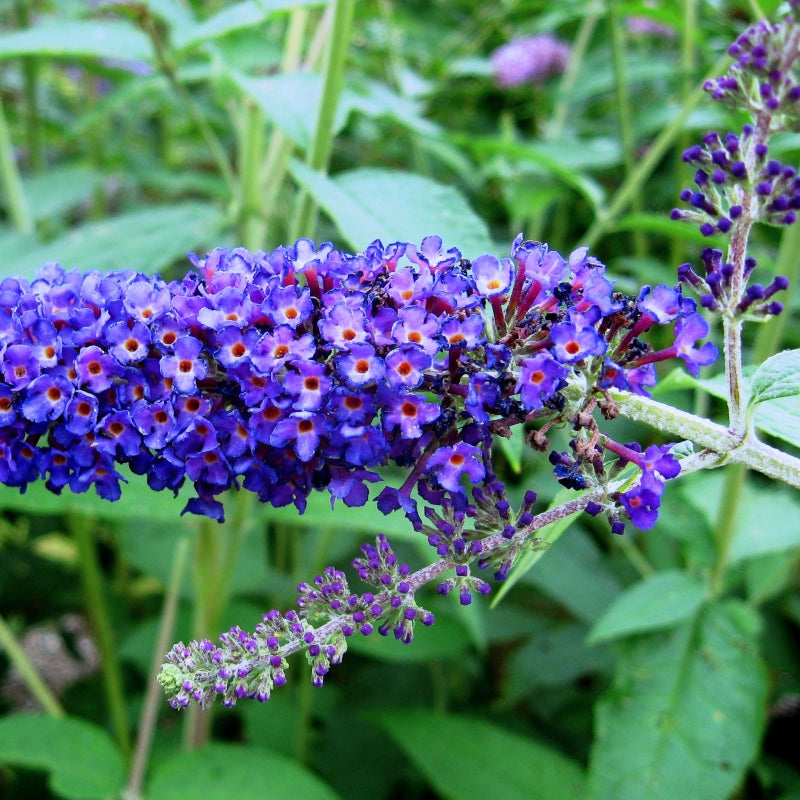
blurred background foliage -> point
(647, 666)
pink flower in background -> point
(644, 26)
(529, 60)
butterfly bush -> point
(446, 355)
(312, 369)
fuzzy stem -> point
(730, 446)
(28, 672)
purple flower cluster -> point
(725, 168)
(642, 501)
(761, 80)
(530, 59)
(306, 369)
(715, 288)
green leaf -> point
(60, 189)
(553, 658)
(685, 713)
(291, 100)
(658, 602)
(447, 639)
(778, 376)
(467, 757)
(761, 520)
(372, 203)
(236, 17)
(146, 240)
(137, 501)
(78, 39)
(576, 575)
(222, 772)
(83, 762)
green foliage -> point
(441, 746)
(685, 713)
(608, 668)
(70, 749)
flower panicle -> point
(307, 368)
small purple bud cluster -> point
(246, 665)
(305, 369)
(249, 666)
(379, 568)
(715, 288)
(530, 59)
(760, 80)
(729, 167)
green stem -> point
(633, 183)
(395, 67)
(11, 181)
(153, 701)
(725, 527)
(30, 71)
(279, 150)
(570, 76)
(716, 438)
(28, 672)
(168, 69)
(98, 612)
(252, 221)
(304, 219)
(687, 69)
(635, 556)
(624, 115)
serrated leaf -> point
(685, 713)
(112, 39)
(68, 748)
(443, 747)
(660, 601)
(146, 240)
(223, 771)
(778, 376)
(368, 204)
